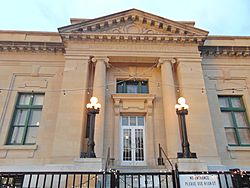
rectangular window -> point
(26, 119)
(235, 120)
(132, 86)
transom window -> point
(133, 140)
(132, 86)
(235, 120)
(26, 119)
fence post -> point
(173, 178)
(175, 175)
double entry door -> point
(133, 140)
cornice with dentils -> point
(19, 46)
(215, 51)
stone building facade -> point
(137, 64)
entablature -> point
(237, 51)
(132, 37)
(19, 46)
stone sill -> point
(238, 148)
(19, 147)
(132, 96)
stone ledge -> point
(46, 168)
(90, 164)
(238, 148)
(188, 164)
(18, 151)
(19, 147)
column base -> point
(191, 164)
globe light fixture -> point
(182, 111)
(93, 109)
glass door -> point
(133, 140)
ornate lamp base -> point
(87, 155)
(191, 155)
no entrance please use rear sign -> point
(199, 181)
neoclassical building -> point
(137, 64)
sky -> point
(219, 17)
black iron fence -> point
(54, 179)
(113, 179)
(161, 180)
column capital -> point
(166, 60)
(100, 58)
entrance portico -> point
(141, 48)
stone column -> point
(99, 91)
(169, 101)
(67, 141)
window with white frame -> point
(26, 119)
(133, 140)
(235, 120)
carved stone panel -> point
(132, 28)
(133, 103)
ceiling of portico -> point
(132, 22)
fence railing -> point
(54, 179)
(114, 178)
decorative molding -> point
(117, 106)
(132, 37)
(103, 59)
(43, 84)
(130, 27)
(166, 60)
(20, 150)
(236, 51)
(127, 22)
(238, 148)
(97, 58)
(16, 46)
(133, 103)
(133, 25)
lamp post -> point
(93, 109)
(181, 111)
